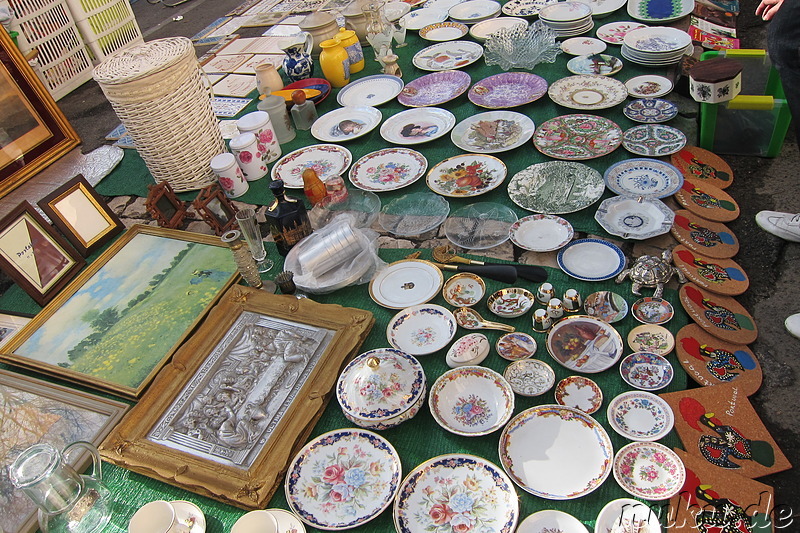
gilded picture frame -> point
(213, 422)
(10, 325)
(81, 215)
(34, 255)
(34, 411)
(124, 316)
(33, 131)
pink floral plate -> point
(468, 175)
(328, 160)
(421, 329)
(471, 401)
(614, 32)
(388, 169)
(507, 89)
(343, 479)
(649, 470)
(454, 493)
(577, 137)
(434, 88)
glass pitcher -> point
(68, 502)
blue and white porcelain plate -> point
(591, 260)
(640, 416)
(653, 140)
(643, 177)
(650, 110)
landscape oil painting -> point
(122, 318)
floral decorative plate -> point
(653, 140)
(328, 160)
(556, 452)
(584, 344)
(656, 41)
(577, 137)
(434, 89)
(471, 401)
(587, 92)
(650, 310)
(614, 32)
(421, 329)
(370, 90)
(343, 479)
(464, 290)
(405, 283)
(640, 416)
(579, 392)
(646, 371)
(287, 521)
(530, 377)
(650, 110)
(591, 260)
(659, 10)
(492, 132)
(551, 520)
(602, 64)
(541, 187)
(515, 346)
(416, 126)
(419, 18)
(579, 46)
(453, 490)
(346, 123)
(648, 86)
(190, 516)
(643, 177)
(507, 89)
(649, 470)
(651, 338)
(541, 233)
(627, 512)
(468, 175)
(447, 55)
(510, 302)
(634, 218)
(606, 305)
(388, 169)
(566, 12)
(443, 31)
(525, 8)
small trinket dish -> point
(471, 401)
(516, 346)
(646, 371)
(579, 392)
(629, 514)
(652, 310)
(651, 338)
(471, 349)
(530, 377)
(511, 302)
(640, 416)
(606, 305)
(464, 290)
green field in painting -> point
(130, 349)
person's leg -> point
(783, 44)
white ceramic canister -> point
(279, 116)
(245, 148)
(229, 175)
(259, 123)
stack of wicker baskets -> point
(159, 93)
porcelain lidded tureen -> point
(381, 388)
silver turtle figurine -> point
(651, 271)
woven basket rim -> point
(143, 60)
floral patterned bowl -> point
(649, 470)
(471, 401)
(381, 388)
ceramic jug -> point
(335, 62)
(68, 502)
(298, 64)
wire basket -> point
(159, 93)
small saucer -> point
(511, 302)
(516, 346)
(530, 377)
(579, 392)
(189, 515)
(464, 290)
(646, 371)
(651, 338)
(287, 521)
(652, 310)
(606, 305)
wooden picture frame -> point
(216, 209)
(81, 215)
(176, 434)
(37, 258)
(10, 325)
(124, 316)
(37, 131)
(165, 206)
(33, 411)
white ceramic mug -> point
(245, 148)
(256, 522)
(259, 123)
(229, 175)
(156, 517)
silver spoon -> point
(468, 318)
